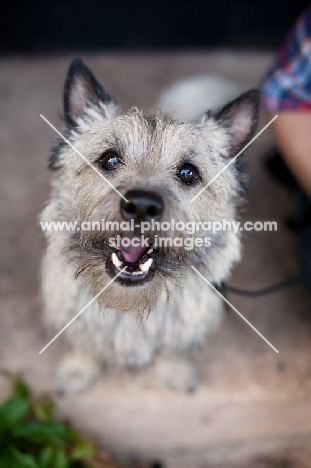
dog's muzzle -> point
(138, 258)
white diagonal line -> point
(233, 159)
(82, 310)
(83, 157)
(235, 310)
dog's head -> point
(131, 173)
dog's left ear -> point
(84, 94)
(239, 118)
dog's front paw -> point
(177, 373)
(76, 372)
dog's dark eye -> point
(109, 161)
(187, 174)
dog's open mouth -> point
(138, 260)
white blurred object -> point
(189, 99)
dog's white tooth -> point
(116, 261)
(145, 266)
(134, 273)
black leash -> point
(224, 288)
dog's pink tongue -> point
(131, 254)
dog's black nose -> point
(141, 206)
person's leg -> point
(292, 131)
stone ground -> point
(253, 409)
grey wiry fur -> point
(163, 318)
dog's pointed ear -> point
(239, 118)
(82, 93)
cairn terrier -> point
(157, 308)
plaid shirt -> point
(287, 86)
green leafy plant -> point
(30, 437)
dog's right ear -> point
(83, 94)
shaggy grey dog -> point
(157, 308)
